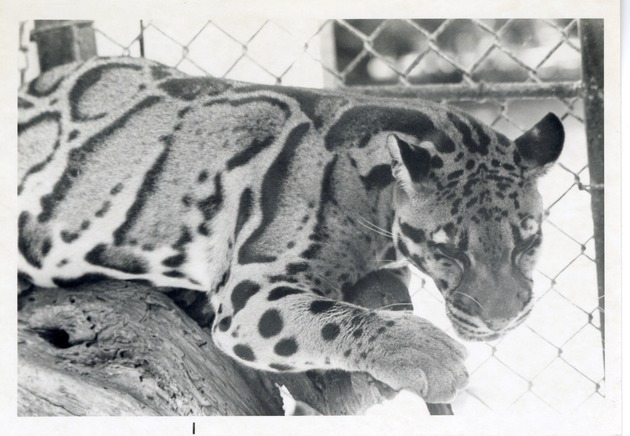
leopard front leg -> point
(279, 327)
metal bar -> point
(141, 39)
(592, 42)
(480, 91)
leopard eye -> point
(524, 253)
(447, 250)
(453, 253)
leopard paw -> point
(415, 355)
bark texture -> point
(117, 348)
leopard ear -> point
(541, 145)
(410, 165)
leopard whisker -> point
(367, 223)
(394, 305)
(399, 263)
(472, 298)
(375, 231)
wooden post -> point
(63, 41)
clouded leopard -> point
(276, 202)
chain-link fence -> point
(507, 73)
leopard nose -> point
(498, 324)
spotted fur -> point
(278, 203)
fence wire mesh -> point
(507, 73)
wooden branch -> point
(123, 349)
(118, 348)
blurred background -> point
(507, 73)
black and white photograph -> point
(408, 219)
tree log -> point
(123, 349)
(118, 348)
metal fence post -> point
(592, 42)
(63, 41)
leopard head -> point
(471, 218)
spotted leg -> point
(388, 288)
(276, 327)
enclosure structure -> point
(507, 73)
